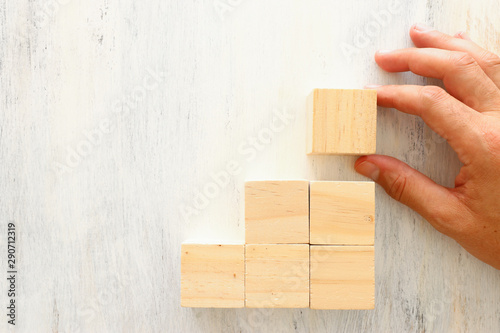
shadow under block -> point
(342, 277)
(277, 276)
(213, 276)
(342, 121)
(277, 212)
(342, 213)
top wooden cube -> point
(342, 121)
(277, 212)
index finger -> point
(448, 117)
(461, 75)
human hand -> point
(467, 115)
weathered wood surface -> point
(115, 114)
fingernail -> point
(369, 170)
(422, 27)
(372, 86)
(384, 51)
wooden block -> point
(342, 213)
(342, 121)
(277, 212)
(212, 275)
(342, 277)
(277, 276)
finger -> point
(452, 120)
(433, 202)
(461, 75)
(423, 36)
(462, 35)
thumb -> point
(409, 187)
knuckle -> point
(451, 220)
(443, 222)
(457, 224)
(489, 59)
(458, 228)
(397, 189)
(432, 94)
(461, 60)
(492, 137)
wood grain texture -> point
(342, 121)
(213, 275)
(277, 212)
(100, 245)
(277, 275)
(342, 277)
(342, 213)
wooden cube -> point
(342, 121)
(213, 275)
(277, 212)
(277, 276)
(342, 213)
(342, 277)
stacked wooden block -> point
(342, 245)
(307, 244)
(277, 244)
(342, 121)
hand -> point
(467, 115)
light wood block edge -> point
(330, 224)
(366, 148)
(284, 282)
(265, 224)
(355, 268)
(213, 275)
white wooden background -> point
(116, 114)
